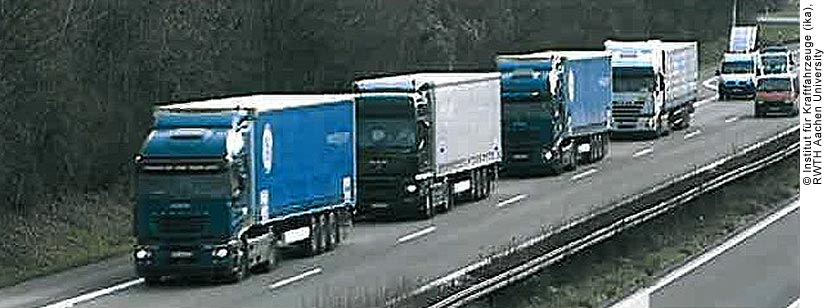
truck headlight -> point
(760, 102)
(548, 155)
(143, 254)
(220, 252)
(411, 188)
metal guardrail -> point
(593, 228)
(778, 20)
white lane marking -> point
(511, 200)
(533, 241)
(716, 251)
(416, 234)
(794, 304)
(643, 152)
(584, 174)
(692, 134)
(708, 82)
(732, 119)
(90, 296)
(290, 280)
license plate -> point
(379, 205)
(181, 254)
(520, 156)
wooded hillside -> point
(78, 77)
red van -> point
(776, 93)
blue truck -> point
(556, 109)
(222, 184)
(655, 86)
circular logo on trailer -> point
(266, 148)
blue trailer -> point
(223, 183)
(556, 109)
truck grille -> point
(182, 225)
(627, 111)
(378, 187)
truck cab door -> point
(424, 132)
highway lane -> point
(762, 271)
(375, 257)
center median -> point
(556, 242)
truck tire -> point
(572, 159)
(268, 264)
(311, 245)
(485, 183)
(344, 221)
(324, 241)
(243, 269)
(597, 147)
(428, 210)
(332, 235)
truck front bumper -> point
(741, 92)
(196, 261)
(639, 127)
(529, 160)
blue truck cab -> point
(556, 109)
(222, 184)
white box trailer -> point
(742, 39)
(458, 138)
(655, 84)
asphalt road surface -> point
(383, 255)
(760, 272)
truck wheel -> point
(324, 242)
(597, 147)
(312, 244)
(344, 221)
(449, 198)
(572, 159)
(332, 236)
(243, 269)
(489, 178)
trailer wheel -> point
(344, 221)
(572, 159)
(483, 185)
(333, 235)
(311, 245)
(324, 234)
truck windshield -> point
(738, 67)
(397, 133)
(386, 123)
(628, 79)
(525, 116)
(774, 63)
(184, 186)
(774, 59)
(774, 84)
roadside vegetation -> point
(635, 258)
(79, 79)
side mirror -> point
(717, 72)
